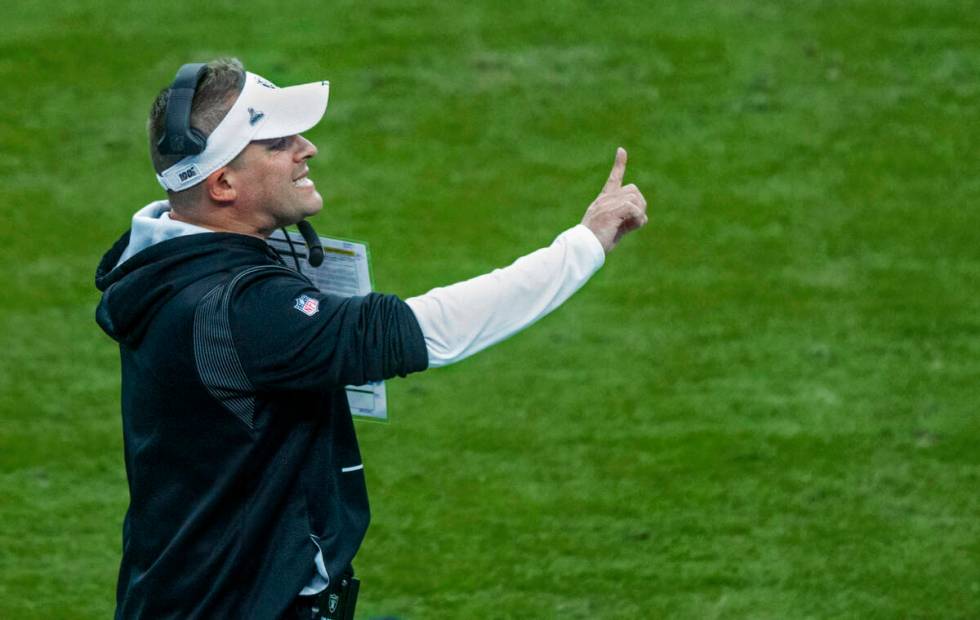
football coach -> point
(247, 494)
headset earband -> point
(179, 138)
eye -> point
(275, 144)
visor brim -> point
(292, 110)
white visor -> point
(261, 111)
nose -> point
(306, 148)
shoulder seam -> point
(251, 270)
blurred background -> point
(763, 406)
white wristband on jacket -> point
(467, 317)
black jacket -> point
(236, 424)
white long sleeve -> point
(465, 318)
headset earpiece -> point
(179, 138)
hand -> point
(617, 210)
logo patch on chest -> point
(307, 305)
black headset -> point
(179, 138)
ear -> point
(220, 186)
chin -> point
(312, 211)
(316, 205)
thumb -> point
(618, 170)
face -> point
(272, 182)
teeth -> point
(304, 182)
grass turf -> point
(763, 406)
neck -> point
(218, 224)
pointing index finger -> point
(618, 170)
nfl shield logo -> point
(332, 603)
(307, 305)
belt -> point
(335, 603)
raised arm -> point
(467, 317)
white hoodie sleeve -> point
(465, 318)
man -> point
(247, 494)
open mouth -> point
(303, 180)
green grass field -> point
(763, 406)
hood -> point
(137, 281)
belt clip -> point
(339, 603)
